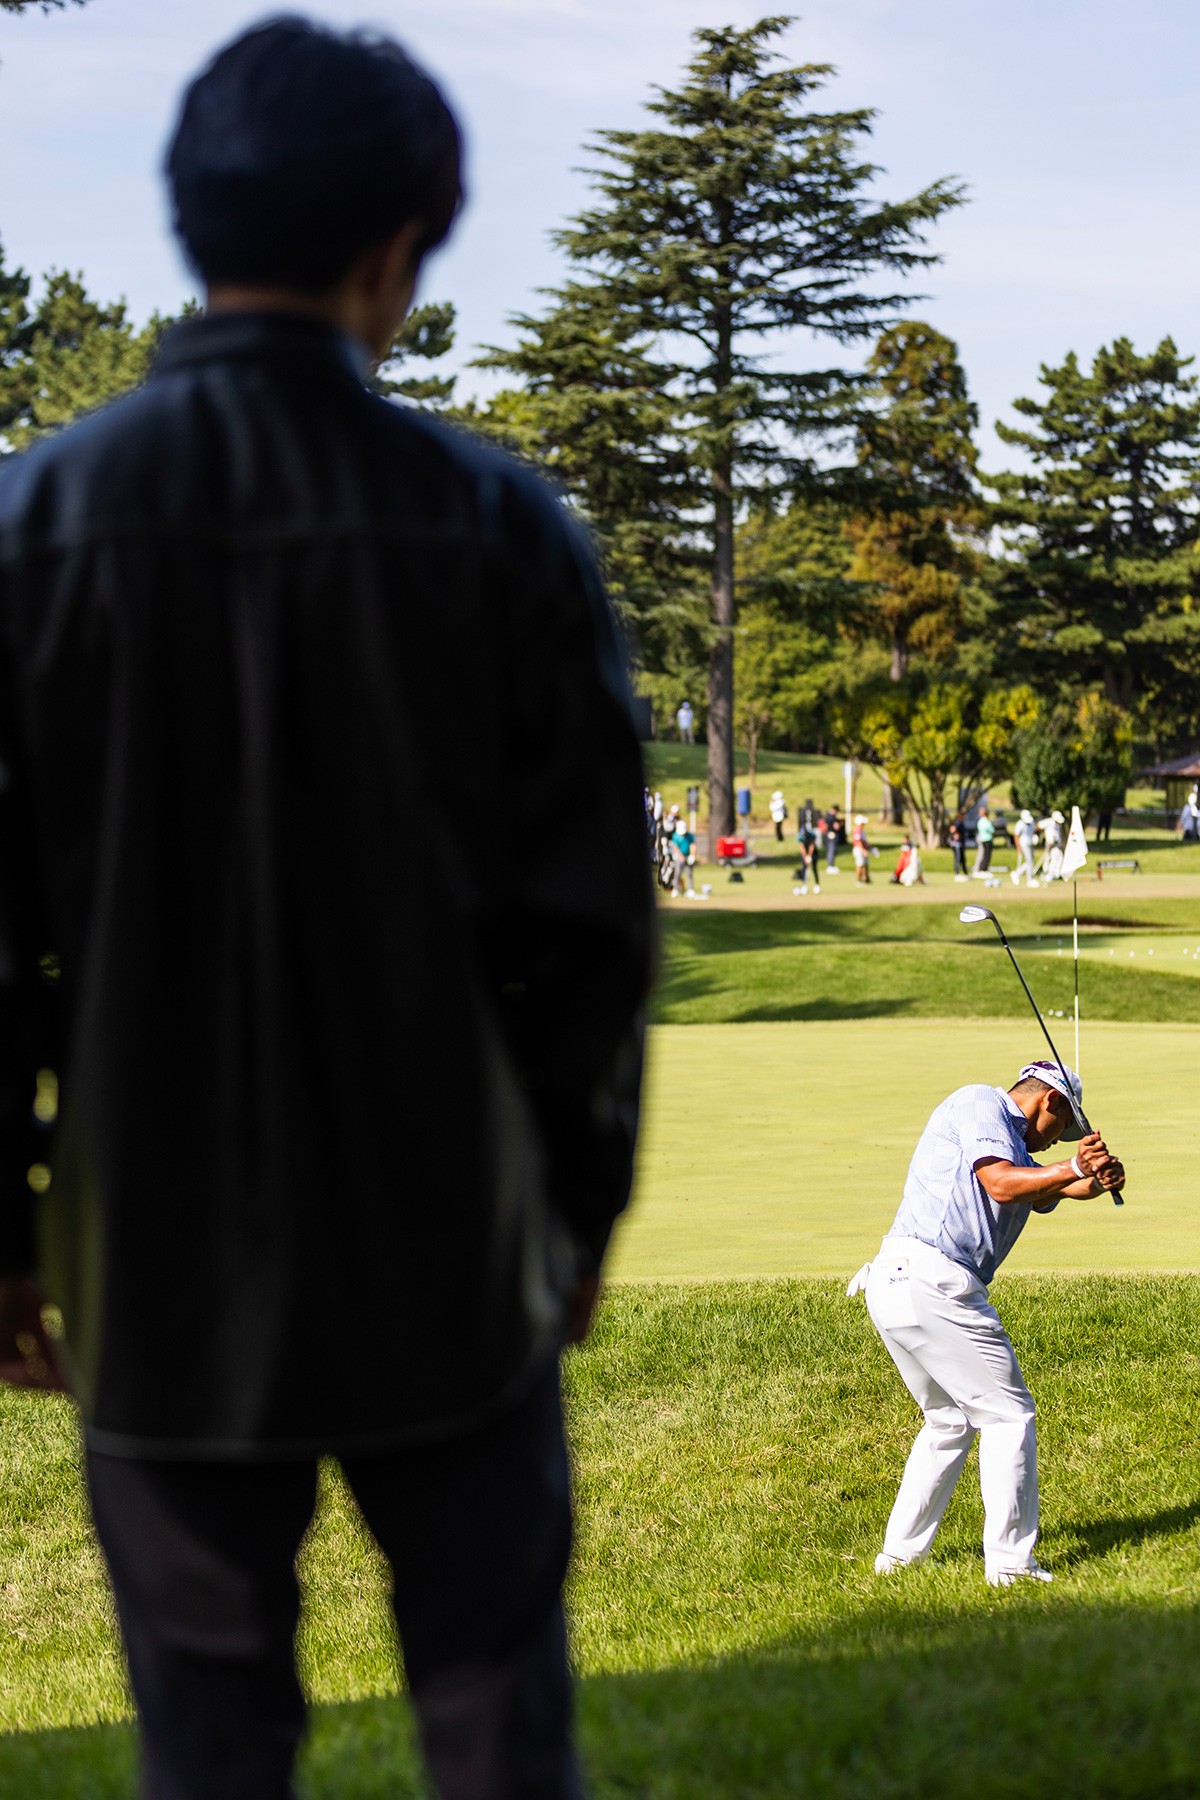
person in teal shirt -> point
(683, 845)
(985, 833)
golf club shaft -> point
(1037, 1013)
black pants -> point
(478, 1533)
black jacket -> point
(323, 886)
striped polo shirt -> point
(944, 1204)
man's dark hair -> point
(299, 147)
(1032, 1085)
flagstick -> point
(1075, 926)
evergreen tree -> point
(427, 334)
(65, 355)
(744, 213)
(917, 545)
(593, 414)
(1103, 532)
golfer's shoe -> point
(887, 1564)
(1004, 1578)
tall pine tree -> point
(917, 545)
(1103, 529)
(743, 212)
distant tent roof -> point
(1180, 766)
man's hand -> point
(1096, 1161)
(580, 1307)
(1092, 1153)
(28, 1354)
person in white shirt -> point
(685, 718)
(971, 1187)
(1026, 836)
(1052, 837)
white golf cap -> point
(1058, 818)
(1026, 816)
(1052, 1075)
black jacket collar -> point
(218, 337)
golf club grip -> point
(1085, 1125)
(1080, 1117)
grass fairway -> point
(781, 1149)
(737, 1451)
(913, 959)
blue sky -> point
(1074, 124)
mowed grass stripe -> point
(737, 1448)
(917, 962)
(781, 1149)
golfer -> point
(971, 1186)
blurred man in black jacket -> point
(347, 1111)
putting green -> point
(780, 1149)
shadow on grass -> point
(823, 1007)
(1082, 1543)
(1028, 1698)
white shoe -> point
(887, 1564)
(1006, 1578)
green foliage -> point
(1078, 753)
(592, 413)
(951, 736)
(744, 211)
(16, 6)
(426, 334)
(64, 355)
(1100, 591)
(918, 544)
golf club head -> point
(975, 915)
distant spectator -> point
(779, 813)
(1189, 819)
(821, 828)
(958, 845)
(810, 868)
(860, 845)
(1026, 838)
(985, 833)
(835, 835)
(908, 865)
(1104, 822)
(685, 718)
(1051, 829)
(683, 853)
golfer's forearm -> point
(1008, 1185)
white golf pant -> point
(955, 1358)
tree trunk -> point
(721, 817)
(752, 737)
(891, 804)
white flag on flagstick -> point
(1075, 854)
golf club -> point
(975, 915)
